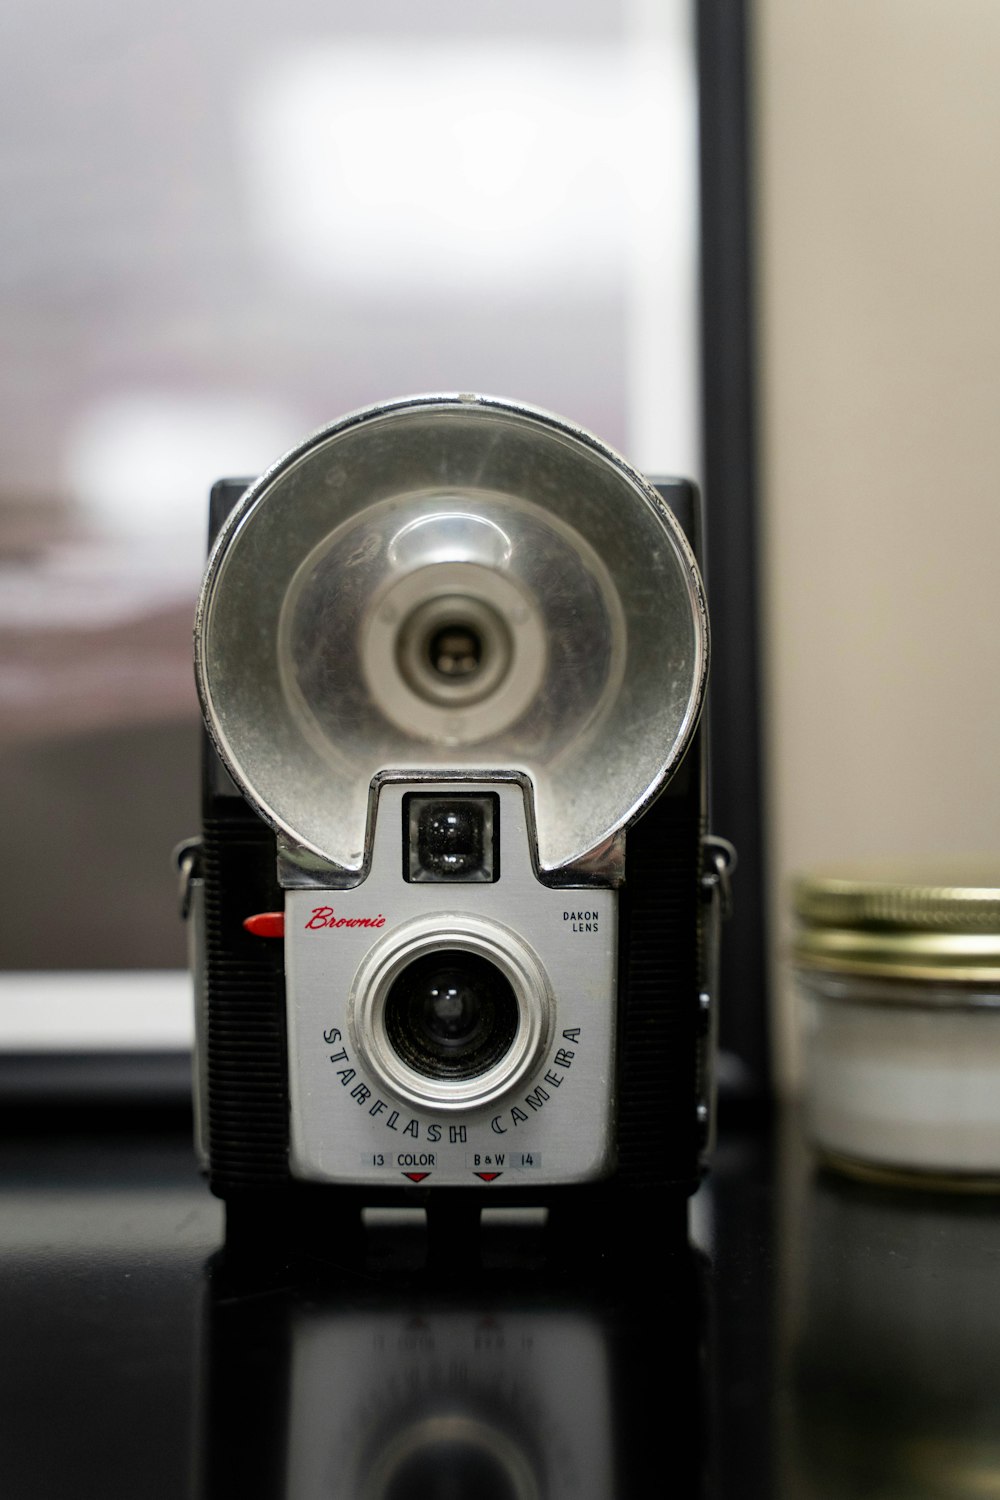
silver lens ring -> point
(440, 933)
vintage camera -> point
(454, 908)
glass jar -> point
(899, 974)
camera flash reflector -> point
(453, 584)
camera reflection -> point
(525, 1377)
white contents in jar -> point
(902, 1084)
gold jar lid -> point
(938, 921)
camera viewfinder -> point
(451, 838)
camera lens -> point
(450, 1009)
(451, 1014)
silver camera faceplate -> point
(544, 1114)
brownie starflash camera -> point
(454, 911)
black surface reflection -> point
(852, 1346)
(103, 1237)
(894, 1349)
(512, 1373)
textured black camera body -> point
(495, 986)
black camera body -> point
(454, 911)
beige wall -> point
(878, 146)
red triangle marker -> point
(489, 1176)
(416, 1176)
(270, 924)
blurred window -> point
(229, 225)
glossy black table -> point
(813, 1337)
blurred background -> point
(230, 224)
(878, 243)
(233, 224)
